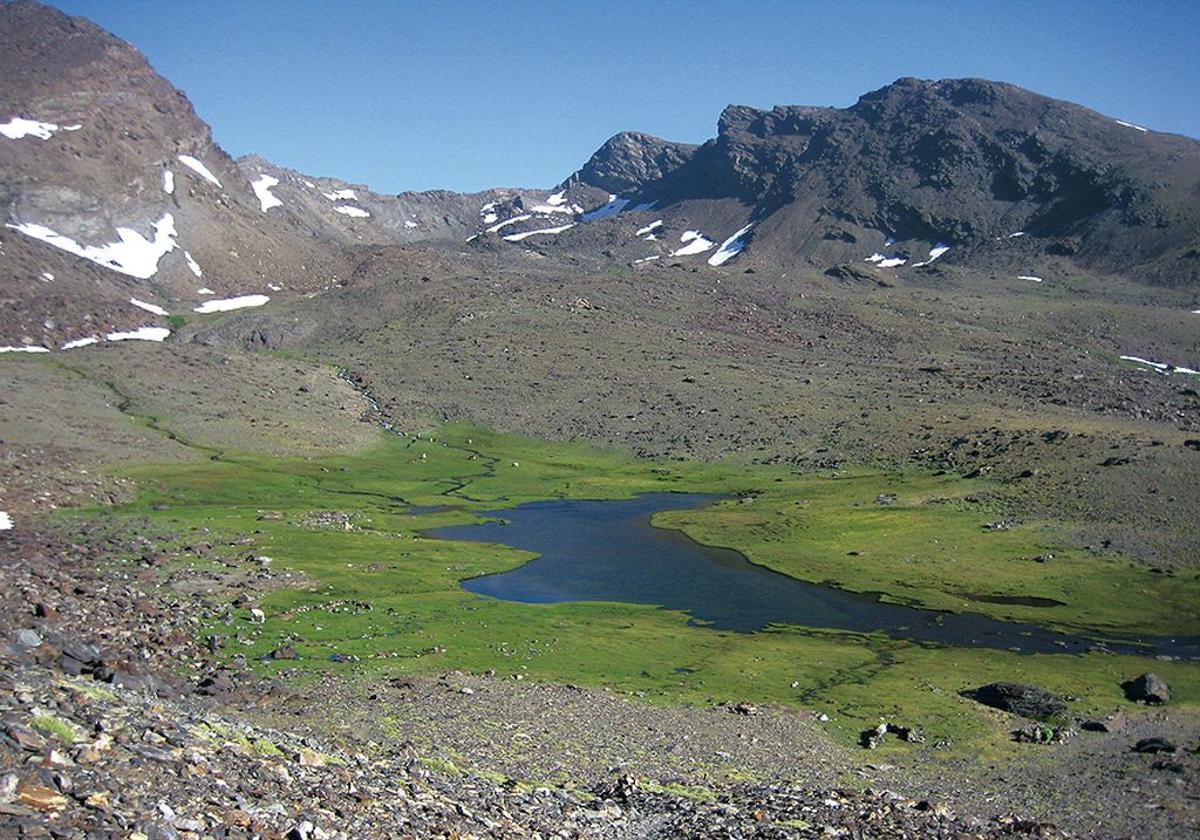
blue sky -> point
(469, 95)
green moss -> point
(698, 794)
(54, 727)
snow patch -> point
(141, 334)
(1031, 278)
(410, 225)
(19, 127)
(730, 248)
(522, 218)
(341, 195)
(649, 228)
(351, 211)
(1131, 125)
(646, 259)
(133, 254)
(490, 218)
(229, 304)
(934, 252)
(168, 182)
(275, 287)
(1161, 367)
(557, 198)
(149, 307)
(5, 521)
(199, 168)
(517, 237)
(696, 244)
(885, 262)
(204, 290)
(80, 342)
(262, 189)
(47, 276)
(25, 348)
(547, 209)
(615, 205)
(192, 264)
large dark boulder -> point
(1020, 699)
(1148, 688)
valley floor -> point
(219, 585)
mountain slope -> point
(960, 162)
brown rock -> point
(41, 798)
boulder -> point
(1020, 699)
(1148, 688)
(1154, 745)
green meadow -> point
(367, 585)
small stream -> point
(608, 551)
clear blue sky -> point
(468, 95)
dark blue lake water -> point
(608, 551)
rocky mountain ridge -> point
(104, 159)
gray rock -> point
(28, 638)
(1148, 688)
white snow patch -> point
(615, 205)
(47, 276)
(1131, 125)
(646, 259)
(204, 290)
(262, 189)
(487, 208)
(1162, 367)
(696, 244)
(199, 168)
(1015, 234)
(490, 218)
(228, 304)
(648, 228)
(730, 248)
(352, 212)
(310, 185)
(523, 218)
(557, 198)
(75, 127)
(889, 242)
(1031, 278)
(19, 127)
(80, 342)
(168, 181)
(517, 237)
(5, 521)
(133, 254)
(192, 264)
(24, 348)
(934, 252)
(547, 209)
(275, 287)
(141, 334)
(149, 307)
(409, 224)
(885, 262)
(341, 195)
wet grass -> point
(389, 599)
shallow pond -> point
(608, 551)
